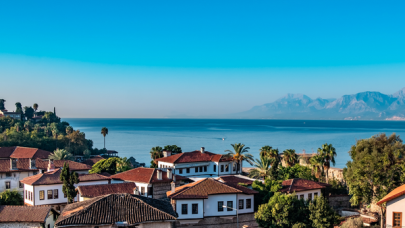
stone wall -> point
(340, 201)
(160, 189)
(218, 222)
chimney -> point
(202, 150)
(169, 174)
(173, 184)
(167, 153)
(51, 166)
(136, 191)
(159, 174)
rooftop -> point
(298, 185)
(53, 177)
(73, 166)
(393, 194)
(9, 214)
(144, 175)
(23, 152)
(105, 189)
(235, 179)
(93, 160)
(195, 156)
(114, 208)
(209, 186)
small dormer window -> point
(33, 163)
(13, 163)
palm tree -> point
(328, 153)
(61, 154)
(240, 154)
(290, 157)
(18, 126)
(265, 150)
(316, 164)
(2, 101)
(104, 132)
(35, 106)
(262, 168)
(156, 152)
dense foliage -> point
(111, 165)
(11, 197)
(69, 180)
(376, 168)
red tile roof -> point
(5, 152)
(93, 160)
(23, 164)
(208, 186)
(195, 156)
(105, 189)
(53, 177)
(73, 166)
(11, 214)
(144, 175)
(26, 152)
(298, 185)
(393, 194)
(234, 179)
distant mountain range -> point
(360, 106)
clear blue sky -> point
(162, 58)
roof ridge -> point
(148, 204)
(226, 185)
(181, 154)
(289, 189)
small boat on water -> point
(223, 138)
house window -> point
(302, 196)
(194, 208)
(8, 184)
(188, 170)
(20, 185)
(309, 196)
(234, 167)
(315, 195)
(220, 205)
(34, 173)
(215, 168)
(184, 209)
(248, 203)
(200, 169)
(50, 194)
(397, 219)
(222, 168)
(229, 205)
(8, 174)
(49, 225)
(32, 198)
(55, 194)
(227, 168)
(142, 190)
(196, 169)
(205, 168)
(180, 171)
(241, 204)
(26, 194)
(150, 191)
(42, 195)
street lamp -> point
(237, 214)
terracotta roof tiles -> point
(53, 177)
(26, 152)
(144, 175)
(93, 160)
(105, 189)
(298, 185)
(11, 214)
(234, 179)
(114, 208)
(195, 156)
(393, 194)
(5, 152)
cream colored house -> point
(395, 211)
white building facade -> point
(395, 207)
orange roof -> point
(26, 152)
(393, 194)
(208, 186)
(144, 175)
(53, 177)
(298, 185)
(195, 156)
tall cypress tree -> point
(69, 180)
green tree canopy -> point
(111, 165)
(262, 168)
(296, 171)
(328, 153)
(375, 169)
(173, 148)
(2, 101)
(69, 180)
(290, 157)
(321, 214)
(28, 112)
(240, 154)
(11, 197)
(104, 132)
(35, 106)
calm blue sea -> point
(135, 137)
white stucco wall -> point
(21, 225)
(395, 205)
(189, 203)
(50, 220)
(138, 185)
(165, 164)
(61, 198)
(29, 188)
(156, 225)
(211, 205)
(230, 170)
(244, 198)
(306, 193)
(14, 180)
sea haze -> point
(135, 137)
